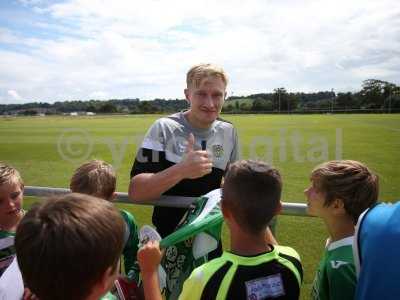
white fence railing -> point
(294, 209)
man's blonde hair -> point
(198, 72)
(9, 175)
(347, 180)
(95, 178)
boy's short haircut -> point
(95, 178)
(198, 72)
(9, 175)
(350, 181)
(252, 192)
(65, 245)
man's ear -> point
(187, 94)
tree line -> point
(375, 95)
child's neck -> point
(8, 227)
(246, 244)
(340, 228)
(11, 227)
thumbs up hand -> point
(196, 163)
(190, 143)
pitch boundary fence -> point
(289, 208)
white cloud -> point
(30, 2)
(14, 95)
(98, 95)
(143, 49)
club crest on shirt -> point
(218, 151)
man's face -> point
(205, 101)
(10, 203)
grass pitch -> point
(46, 150)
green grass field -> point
(46, 151)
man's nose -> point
(10, 203)
(209, 102)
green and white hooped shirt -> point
(7, 249)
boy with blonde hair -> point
(98, 178)
(11, 212)
(340, 191)
(69, 247)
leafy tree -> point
(280, 99)
(227, 108)
(260, 104)
(108, 108)
(345, 100)
(374, 92)
(245, 106)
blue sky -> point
(96, 49)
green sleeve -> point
(342, 282)
(131, 247)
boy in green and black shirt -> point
(11, 212)
(340, 191)
(254, 267)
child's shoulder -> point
(286, 250)
(202, 273)
(127, 216)
(341, 248)
(6, 234)
(339, 256)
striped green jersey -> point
(7, 249)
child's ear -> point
(225, 211)
(107, 280)
(113, 196)
(278, 208)
(338, 206)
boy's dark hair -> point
(252, 192)
(95, 178)
(65, 245)
(347, 180)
